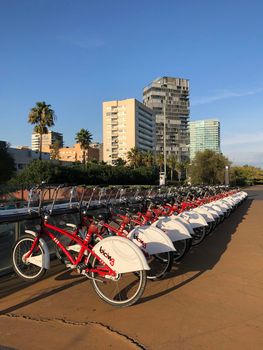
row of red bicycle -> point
(123, 236)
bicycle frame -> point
(84, 250)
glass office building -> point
(204, 134)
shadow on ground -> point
(204, 256)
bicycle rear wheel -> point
(124, 290)
(209, 228)
(182, 247)
(160, 265)
(28, 270)
(199, 235)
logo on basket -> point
(107, 255)
(136, 236)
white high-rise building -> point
(168, 97)
(48, 140)
(126, 124)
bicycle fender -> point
(236, 199)
(174, 229)
(217, 208)
(46, 257)
(243, 194)
(221, 205)
(195, 219)
(214, 207)
(205, 213)
(213, 212)
(120, 254)
(150, 239)
(183, 222)
(230, 201)
(226, 204)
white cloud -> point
(243, 139)
(224, 94)
(244, 148)
(251, 158)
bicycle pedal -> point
(71, 266)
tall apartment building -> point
(48, 140)
(126, 124)
(169, 99)
(204, 134)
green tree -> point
(159, 160)
(84, 138)
(181, 168)
(148, 159)
(172, 164)
(36, 172)
(247, 174)
(185, 167)
(43, 117)
(134, 157)
(7, 163)
(92, 174)
(102, 162)
(208, 167)
(119, 162)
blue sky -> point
(74, 54)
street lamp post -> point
(226, 175)
(164, 140)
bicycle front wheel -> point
(124, 290)
(31, 269)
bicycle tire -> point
(118, 292)
(160, 265)
(210, 228)
(162, 262)
(182, 248)
(199, 235)
(27, 271)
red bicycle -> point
(115, 265)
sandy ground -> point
(212, 300)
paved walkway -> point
(213, 300)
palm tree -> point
(134, 157)
(186, 165)
(172, 164)
(119, 162)
(159, 160)
(180, 167)
(84, 138)
(43, 117)
(147, 158)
